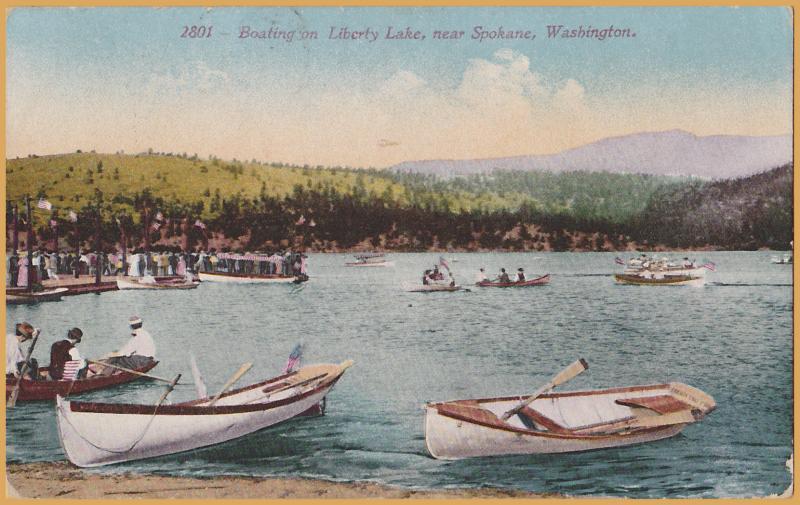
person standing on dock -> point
(67, 350)
(13, 268)
(15, 358)
(22, 272)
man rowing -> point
(136, 353)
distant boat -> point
(562, 422)
(240, 278)
(370, 260)
(785, 260)
(149, 282)
(539, 281)
(664, 280)
(22, 297)
(432, 288)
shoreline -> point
(62, 480)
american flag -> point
(301, 220)
(200, 224)
(443, 262)
(711, 266)
(73, 217)
(44, 204)
(618, 261)
(294, 358)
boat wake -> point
(744, 285)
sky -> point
(113, 79)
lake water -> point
(731, 338)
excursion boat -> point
(370, 260)
(95, 434)
(45, 389)
(148, 282)
(539, 281)
(22, 297)
(562, 422)
(240, 278)
(660, 280)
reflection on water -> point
(731, 338)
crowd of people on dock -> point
(138, 263)
(66, 358)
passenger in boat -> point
(437, 275)
(137, 352)
(66, 350)
(452, 279)
(426, 278)
(503, 276)
(15, 358)
(520, 276)
(480, 276)
(687, 263)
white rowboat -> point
(133, 283)
(562, 422)
(235, 278)
(96, 434)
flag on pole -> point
(44, 204)
(710, 265)
(73, 217)
(443, 262)
(200, 224)
(301, 220)
(294, 358)
(618, 261)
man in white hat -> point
(138, 351)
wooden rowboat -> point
(21, 297)
(95, 434)
(432, 288)
(48, 389)
(539, 281)
(666, 280)
(239, 278)
(562, 422)
(134, 283)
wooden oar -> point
(134, 372)
(562, 377)
(235, 377)
(169, 390)
(15, 393)
(680, 417)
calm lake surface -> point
(731, 338)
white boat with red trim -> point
(149, 282)
(243, 278)
(95, 434)
(562, 422)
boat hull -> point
(564, 422)
(130, 284)
(95, 434)
(668, 280)
(368, 264)
(246, 278)
(539, 281)
(44, 390)
(24, 298)
(433, 289)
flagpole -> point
(15, 236)
(30, 248)
(54, 219)
(98, 262)
(124, 240)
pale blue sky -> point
(123, 78)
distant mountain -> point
(673, 152)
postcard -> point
(396, 252)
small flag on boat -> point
(618, 261)
(44, 204)
(200, 224)
(73, 217)
(294, 358)
(711, 266)
(443, 262)
(301, 220)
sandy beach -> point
(62, 480)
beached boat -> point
(155, 283)
(562, 422)
(539, 281)
(660, 280)
(240, 278)
(21, 297)
(370, 260)
(48, 389)
(95, 434)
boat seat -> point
(471, 413)
(542, 420)
(662, 404)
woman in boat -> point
(15, 358)
(520, 276)
(426, 277)
(503, 276)
(66, 350)
(480, 276)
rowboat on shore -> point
(22, 297)
(562, 422)
(47, 389)
(663, 280)
(95, 434)
(539, 281)
(241, 278)
(370, 260)
(155, 283)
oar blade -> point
(680, 417)
(570, 372)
